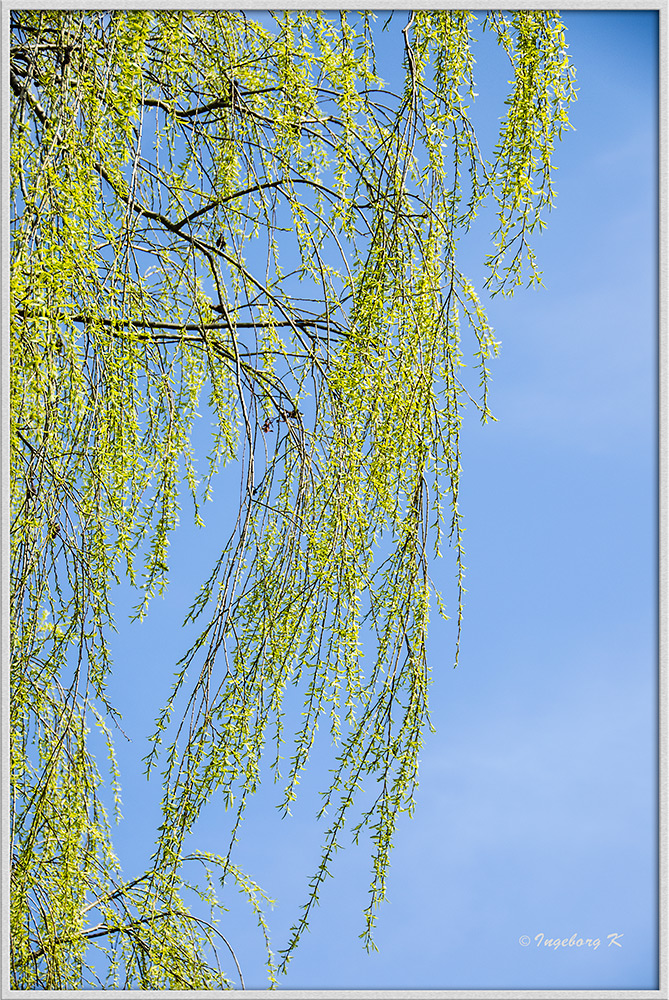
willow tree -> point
(229, 214)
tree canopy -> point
(227, 213)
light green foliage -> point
(218, 214)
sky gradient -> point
(537, 807)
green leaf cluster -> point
(226, 215)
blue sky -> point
(537, 806)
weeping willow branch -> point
(214, 215)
